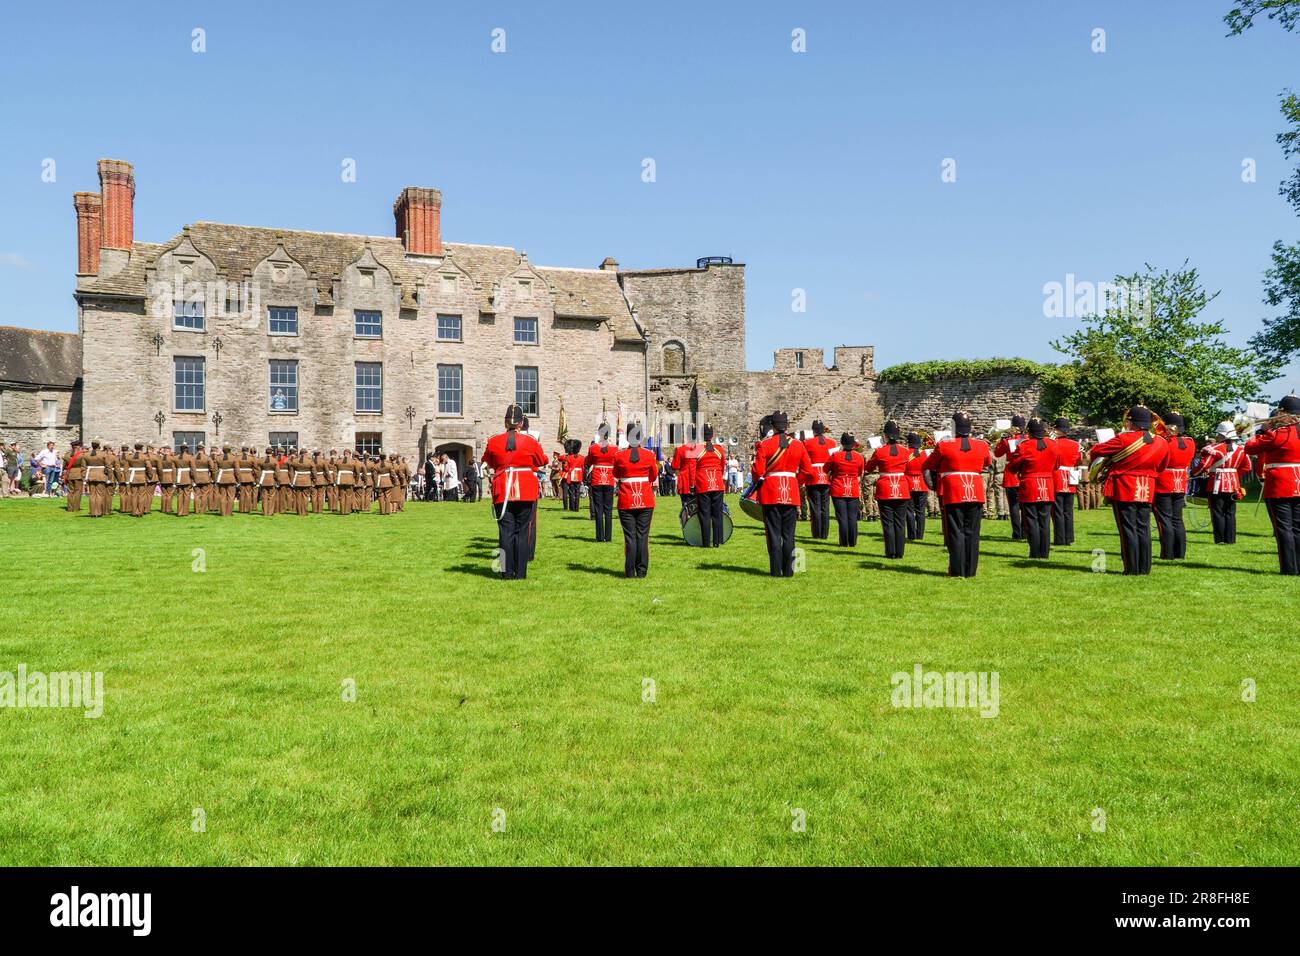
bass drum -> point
(750, 505)
(691, 526)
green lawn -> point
(223, 691)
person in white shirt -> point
(48, 463)
(450, 479)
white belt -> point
(264, 474)
(1225, 471)
(1069, 467)
(1282, 464)
(516, 469)
(222, 471)
(945, 474)
(182, 471)
(202, 471)
(818, 464)
(781, 474)
(594, 467)
(1177, 471)
(639, 479)
(131, 473)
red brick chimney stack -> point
(117, 186)
(90, 225)
(418, 215)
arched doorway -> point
(459, 452)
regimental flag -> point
(562, 431)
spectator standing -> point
(46, 466)
(450, 479)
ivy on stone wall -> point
(916, 372)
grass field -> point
(224, 691)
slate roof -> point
(33, 357)
(592, 294)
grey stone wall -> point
(703, 309)
(22, 417)
(931, 404)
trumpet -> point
(1281, 420)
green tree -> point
(1099, 387)
(1242, 17)
(1152, 346)
(1279, 341)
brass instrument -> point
(1277, 421)
(1100, 467)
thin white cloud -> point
(14, 261)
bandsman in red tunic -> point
(1010, 481)
(599, 469)
(1134, 459)
(710, 484)
(956, 472)
(1278, 449)
(636, 470)
(683, 463)
(572, 474)
(893, 488)
(1171, 490)
(916, 487)
(1034, 463)
(845, 469)
(779, 461)
(1225, 464)
(514, 458)
(1069, 455)
(818, 487)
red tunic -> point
(573, 469)
(636, 479)
(710, 469)
(819, 448)
(684, 465)
(845, 472)
(959, 475)
(514, 473)
(1068, 456)
(601, 462)
(891, 461)
(1172, 479)
(1134, 478)
(916, 465)
(1036, 469)
(780, 468)
(1279, 454)
(1004, 449)
(1225, 466)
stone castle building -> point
(250, 335)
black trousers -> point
(571, 495)
(1223, 518)
(451, 494)
(1013, 512)
(602, 503)
(1037, 525)
(513, 532)
(779, 522)
(1285, 515)
(1063, 518)
(916, 517)
(1169, 524)
(1133, 518)
(848, 511)
(961, 535)
(636, 540)
(686, 498)
(819, 511)
(710, 512)
(471, 491)
(532, 534)
(893, 523)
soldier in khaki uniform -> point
(300, 476)
(331, 481)
(317, 483)
(246, 473)
(74, 475)
(995, 498)
(345, 478)
(140, 480)
(97, 480)
(202, 481)
(184, 480)
(403, 483)
(384, 484)
(226, 479)
(119, 479)
(870, 510)
(267, 488)
(165, 465)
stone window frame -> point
(533, 408)
(357, 386)
(460, 389)
(49, 416)
(676, 345)
(277, 440)
(185, 438)
(283, 308)
(202, 385)
(367, 443)
(460, 326)
(271, 385)
(191, 309)
(537, 330)
(356, 323)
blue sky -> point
(820, 170)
